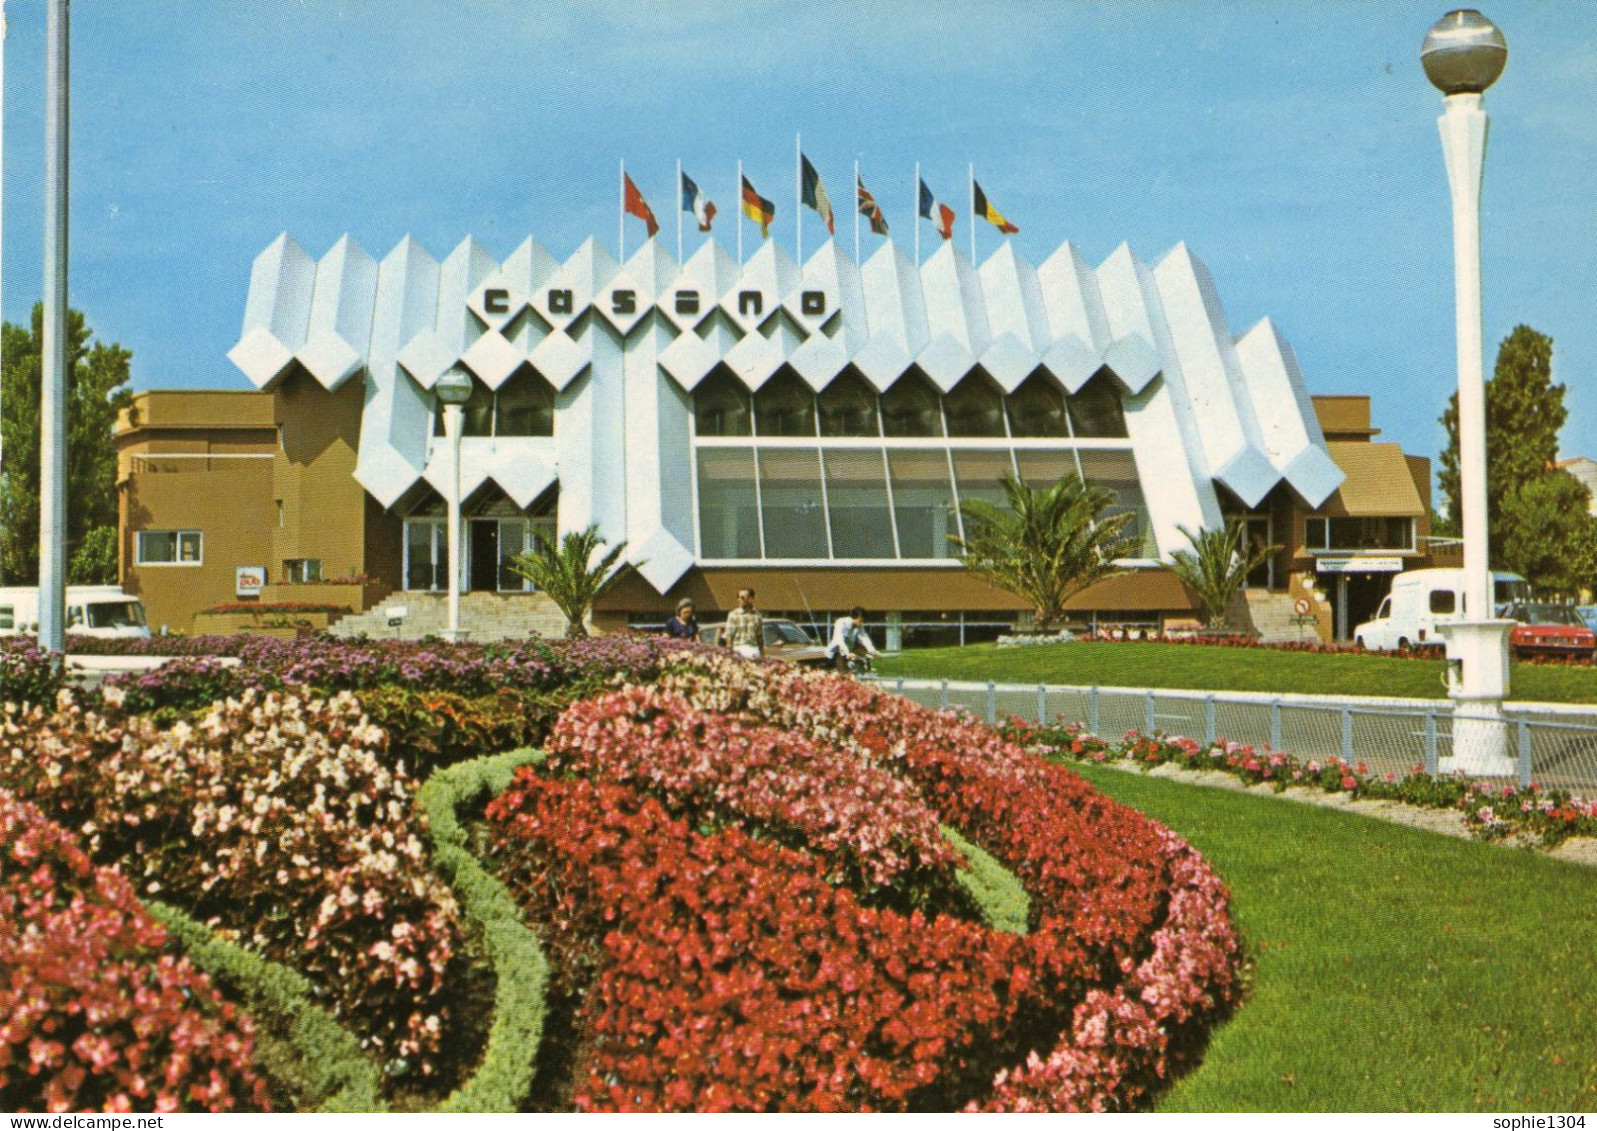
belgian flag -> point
(989, 213)
(757, 208)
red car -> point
(1549, 630)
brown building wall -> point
(223, 500)
(323, 506)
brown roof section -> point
(1378, 482)
(909, 588)
(1344, 417)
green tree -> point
(97, 389)
(565, 572)
(1217, 566)
(1536, 515)
(1047, 544)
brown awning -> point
(1378, 482)
(882, 589)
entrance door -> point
(1259, 529)
(484, 575)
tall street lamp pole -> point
(1463, 54)
(454, 389)
(53, 379)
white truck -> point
(1420, 600)
(92, 610)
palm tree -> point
(564, 573)
(1217, 566)
(1047, 544)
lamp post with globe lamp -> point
(1463, 54)
(454, 389)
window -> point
(1037, 408)
(1377, 533)
(975, 407)
(911, 408)
(923, 502)
(790, 503)
(479, 413)
(1096, 412)
(116, 614)
(856, 497)
(169, 547)
(525, 405)
(848, 407)
(729, 524)
(785, 406)
(8, 616)
(1443, 601)
(299, 571)
(426, 554)
(721, 405)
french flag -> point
(941, 216)
(694, 201)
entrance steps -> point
(1268, 614)
(485, 617)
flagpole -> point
(739, 199)
(972, 168)
(679, 210)
(798, 198)
(916, 214)
(621, 220)
(856, 213)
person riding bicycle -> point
(848, 637)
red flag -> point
(635, 205)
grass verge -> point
(1190, 666)
(1395, 969)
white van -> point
(92, 610)
(1420, 600)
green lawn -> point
(1229, 669)
(1396, 969)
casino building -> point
(808, 429)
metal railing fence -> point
(1552, 744)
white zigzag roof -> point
(1236, 406)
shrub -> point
(275, 818)
(92, 1015)
(27, 675)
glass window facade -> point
(853, 475)
(1379, 533)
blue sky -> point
(1292, 145)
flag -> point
(757, 208)
(694, 201)
(941, 216)
(635, 205)
(815, 193)
(989, 213)
(869, 209)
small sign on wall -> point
(249, 581)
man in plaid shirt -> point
(745, 629)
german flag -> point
(989, 213)
(757, 208)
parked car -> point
(92, 610)
(1549, 630)
(784, 640)
(1422, 599)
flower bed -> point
(273, 818)
(93, 1016)
(717, 969)
(1491, 810)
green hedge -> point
(1003, 902)
(505, 1075)
(331, 1061)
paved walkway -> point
(1448, 822)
